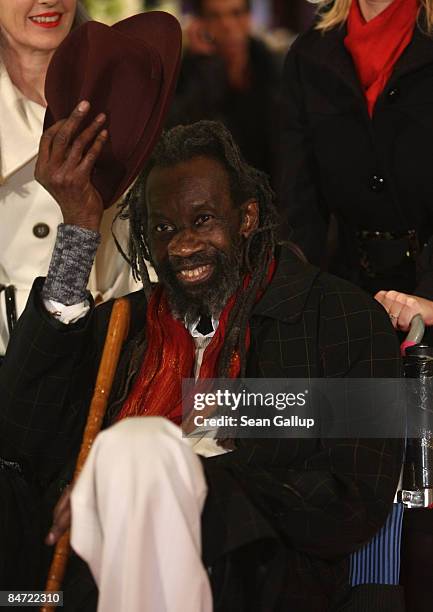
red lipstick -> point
(46, 20)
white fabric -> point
(24, 203)
(192, 328)
(205, 443)
(67, 314)
(136, 519)
(19, 138)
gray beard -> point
(208, 300)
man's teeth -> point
(45, 19)
(194, 273)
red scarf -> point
(376, 45)
(170, 357)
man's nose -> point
(185, 243)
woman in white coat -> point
(30, 32)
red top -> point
(376, 45)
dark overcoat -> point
(371, 174)
(281, 516)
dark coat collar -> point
(328, 50)
(285, 297)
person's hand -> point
(402, 307)
(198, 39)
(65, 163)
(61, 518)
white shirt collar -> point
(192, 328)
(20, 126)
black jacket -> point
(281, 516)
(372, 174)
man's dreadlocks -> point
(210, 139)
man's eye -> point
(163, 227)
(202, 219)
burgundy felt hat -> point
(127, 71)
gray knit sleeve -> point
(71, 263)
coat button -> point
(393, 94)
(377, 183)
(41, 230)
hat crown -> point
(115, 62)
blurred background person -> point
(30, 31)
(297, 15)
(356, 130)
(229, 75)
(270, 15)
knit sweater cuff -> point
(70, 266)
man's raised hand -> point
(65, 163)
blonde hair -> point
(333, 13)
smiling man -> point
(163, 522)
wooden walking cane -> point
(116, 335)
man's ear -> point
(250, 217)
